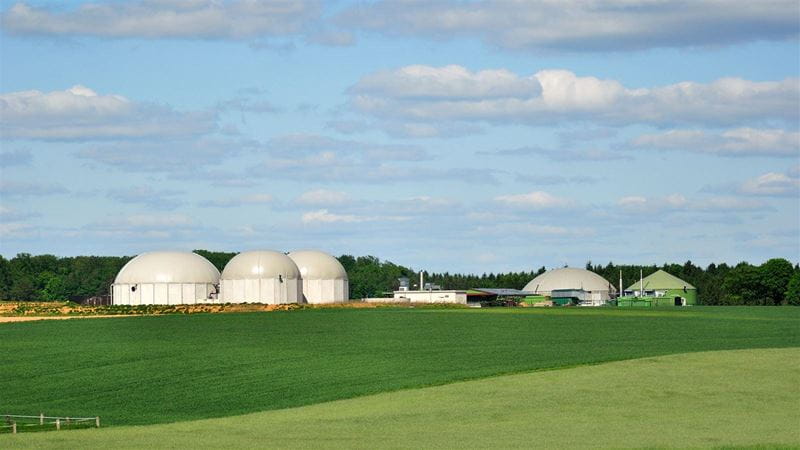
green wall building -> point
(661, 289)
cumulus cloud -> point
(772, 184)
(581, 26)
(146, 195)
(534, 200)
(564, 96)
(81, 113)
(323, 216)
(735, 142)
(151, 19)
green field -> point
(619, 404)
(147, 370)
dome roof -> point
(317, 265)
(259, 264)
(569, 278)
(168, 267)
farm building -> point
(324, 277)
(664, 289)
(165, 278)
(432, 296)
(589, 287)
(261, 276)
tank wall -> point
(162, 294)
(325, 291)
(269, 291)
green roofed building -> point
(664, 289)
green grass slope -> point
(727, 398)
(148, 370)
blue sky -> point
(476, 136)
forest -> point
(27, 277)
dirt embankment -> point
(27, 311)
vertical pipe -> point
(641, 284)
(13, 427)
(41, 418)
(58, 424)
(97, 422)
(421, 281)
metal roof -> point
(660, 280)
(503, 292)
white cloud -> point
(81, 113)
(582, 26)
(323, 216)
(735, 142)
(196, 19)
(772, 184)
(534, 200)
(448, 82)
(564, 96)
(654, 206)
(322, 197)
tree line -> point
(26, 277)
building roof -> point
(660, 280)
(168, 267)
(317, 265)
(503, 292)
(260, 264)
(568, 278)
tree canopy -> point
(47, 278)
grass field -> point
(147, 370)
(618, 404)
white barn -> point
(261, 276)
(166, 278)
(323, 276)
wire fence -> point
(14, 423)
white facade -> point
(598, 289)
(261, 276)
(324, 278)
(432, 296)
(166, 278)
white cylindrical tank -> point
(571, 278)
(261, 276)
(166, 278)
(324, 277)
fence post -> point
(97, 421)
(58, 424)
(41, 418)
(14, 428)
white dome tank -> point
(324, 277)
(261, 276)
(166, 278)
(570, 278)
